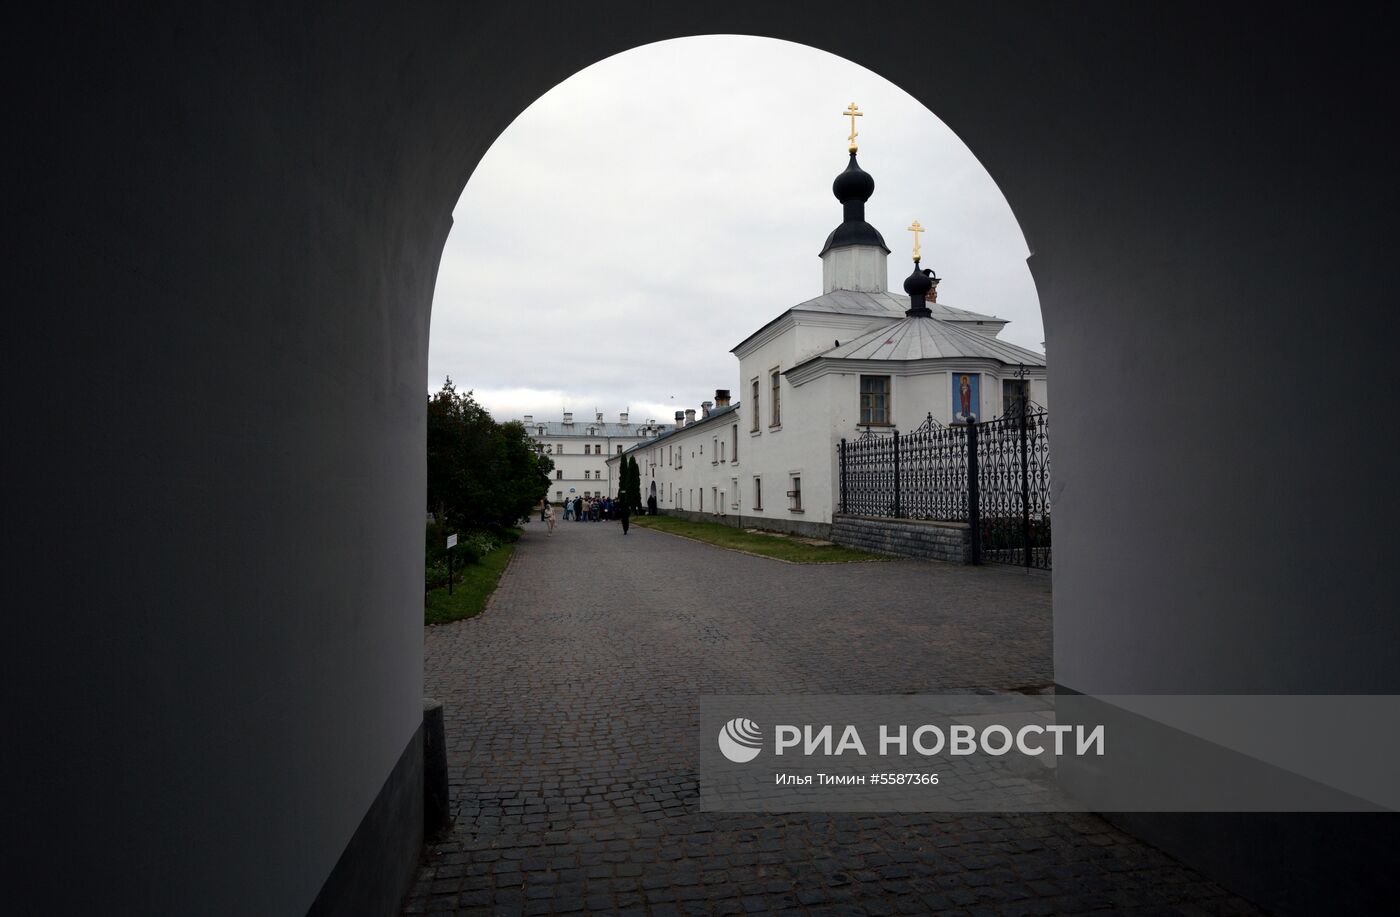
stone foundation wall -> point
(735, 520)
(947, 541)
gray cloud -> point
(647, 214)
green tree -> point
(632, 474)
(482, 475)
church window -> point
(875, 399)
(775, 411)
(753, 409)
(1012, 391)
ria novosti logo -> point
(740, 740)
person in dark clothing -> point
(624, 512)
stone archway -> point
(230, 228)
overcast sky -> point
(649, 213)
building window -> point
(619, 449)
(753, 409)
(758, 493)
(776, 398)
(1012, 391)
(588, 475)
(734, 445)
(875, 400)
(559, 475)
(714, 451)
(795, 495)
(701, 507)
(559, 495)
(715, 500)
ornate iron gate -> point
(994, 475)
(1013, 486)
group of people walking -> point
(587, 509)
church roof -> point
(852, 302)
(918, 338)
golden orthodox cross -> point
(853, 113)
(916, 229)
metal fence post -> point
(897, 513)
(974, 508)
(843, 475)
(1025, 482)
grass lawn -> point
(780, 547)
(469, 596)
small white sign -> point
(451, 541)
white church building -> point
(853, 360)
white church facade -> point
(857, 359)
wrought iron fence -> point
(993, 475)
(1013, 486)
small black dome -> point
(918, 283)
(854, 184)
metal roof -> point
(673, 430)
(929, 339)
(581, 428)
(851, 302)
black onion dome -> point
(854, 184)
(917, 286)
(853, 188)
(917, 283)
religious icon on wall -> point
(966, 397)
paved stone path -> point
(570, 708)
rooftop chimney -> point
(568, 417)
(689, 416)
(680, 419)
(622, 418)
(705, 406)
(598, 417)
(721, 397)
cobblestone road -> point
(570, 706)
